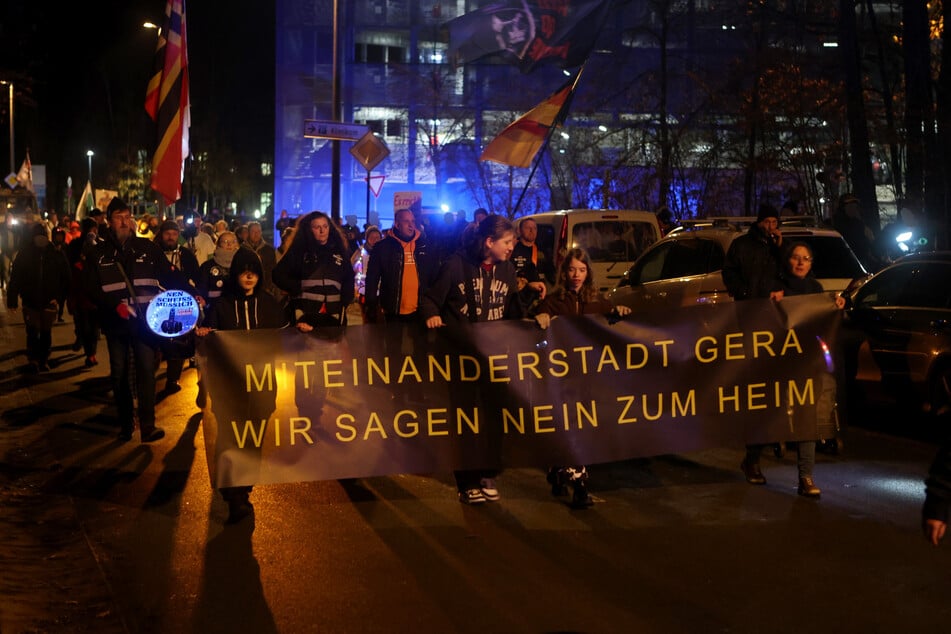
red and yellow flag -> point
(518, 144)
(167, 102)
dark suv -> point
(897, 330)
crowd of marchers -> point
(107, 268)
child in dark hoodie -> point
(244, 305)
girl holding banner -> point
(476, 284)
(576, 293)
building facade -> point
(659, 107)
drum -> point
(172, 314)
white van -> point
(613, 238)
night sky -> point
(89, 64)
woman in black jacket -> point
(798, 279)
(316, 272)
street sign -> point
(314, 129)
(369, 150)
(375, 183)
(11, 180)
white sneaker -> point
(472, 496)
(489, 492)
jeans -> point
(124, 350)
(86, 326)
(806, 457)
(39, 343)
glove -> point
(123, 311)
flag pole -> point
(559, 118)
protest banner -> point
(285, 406)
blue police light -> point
(172, 314)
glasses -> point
(801, 258)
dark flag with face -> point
(529, 32)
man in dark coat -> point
(753, 271)
(401, 268)
(40, 277)
(125, 273)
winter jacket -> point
(752, 268)
(39, 276)
(320, 284)
(565, 302)
(246, 312)
(147, 270)
(211, 280)
(464, 291)
(384, 282)
(808, 285)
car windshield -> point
(614, 240)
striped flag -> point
(518, 144)
(167, 102)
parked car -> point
(897, 330)
(684, 268)
(613, 238)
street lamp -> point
(10, 89)
(89, 154)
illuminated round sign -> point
(172, 314)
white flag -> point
(25, 175)
(84, 201)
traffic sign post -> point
(370, 150)
(316, 129)
(376, 184)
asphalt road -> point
(100, 536)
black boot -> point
(239, 503)
(558, 480)
(580, 498)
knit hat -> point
(116, 204)
(766, 211)
(168, 225)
